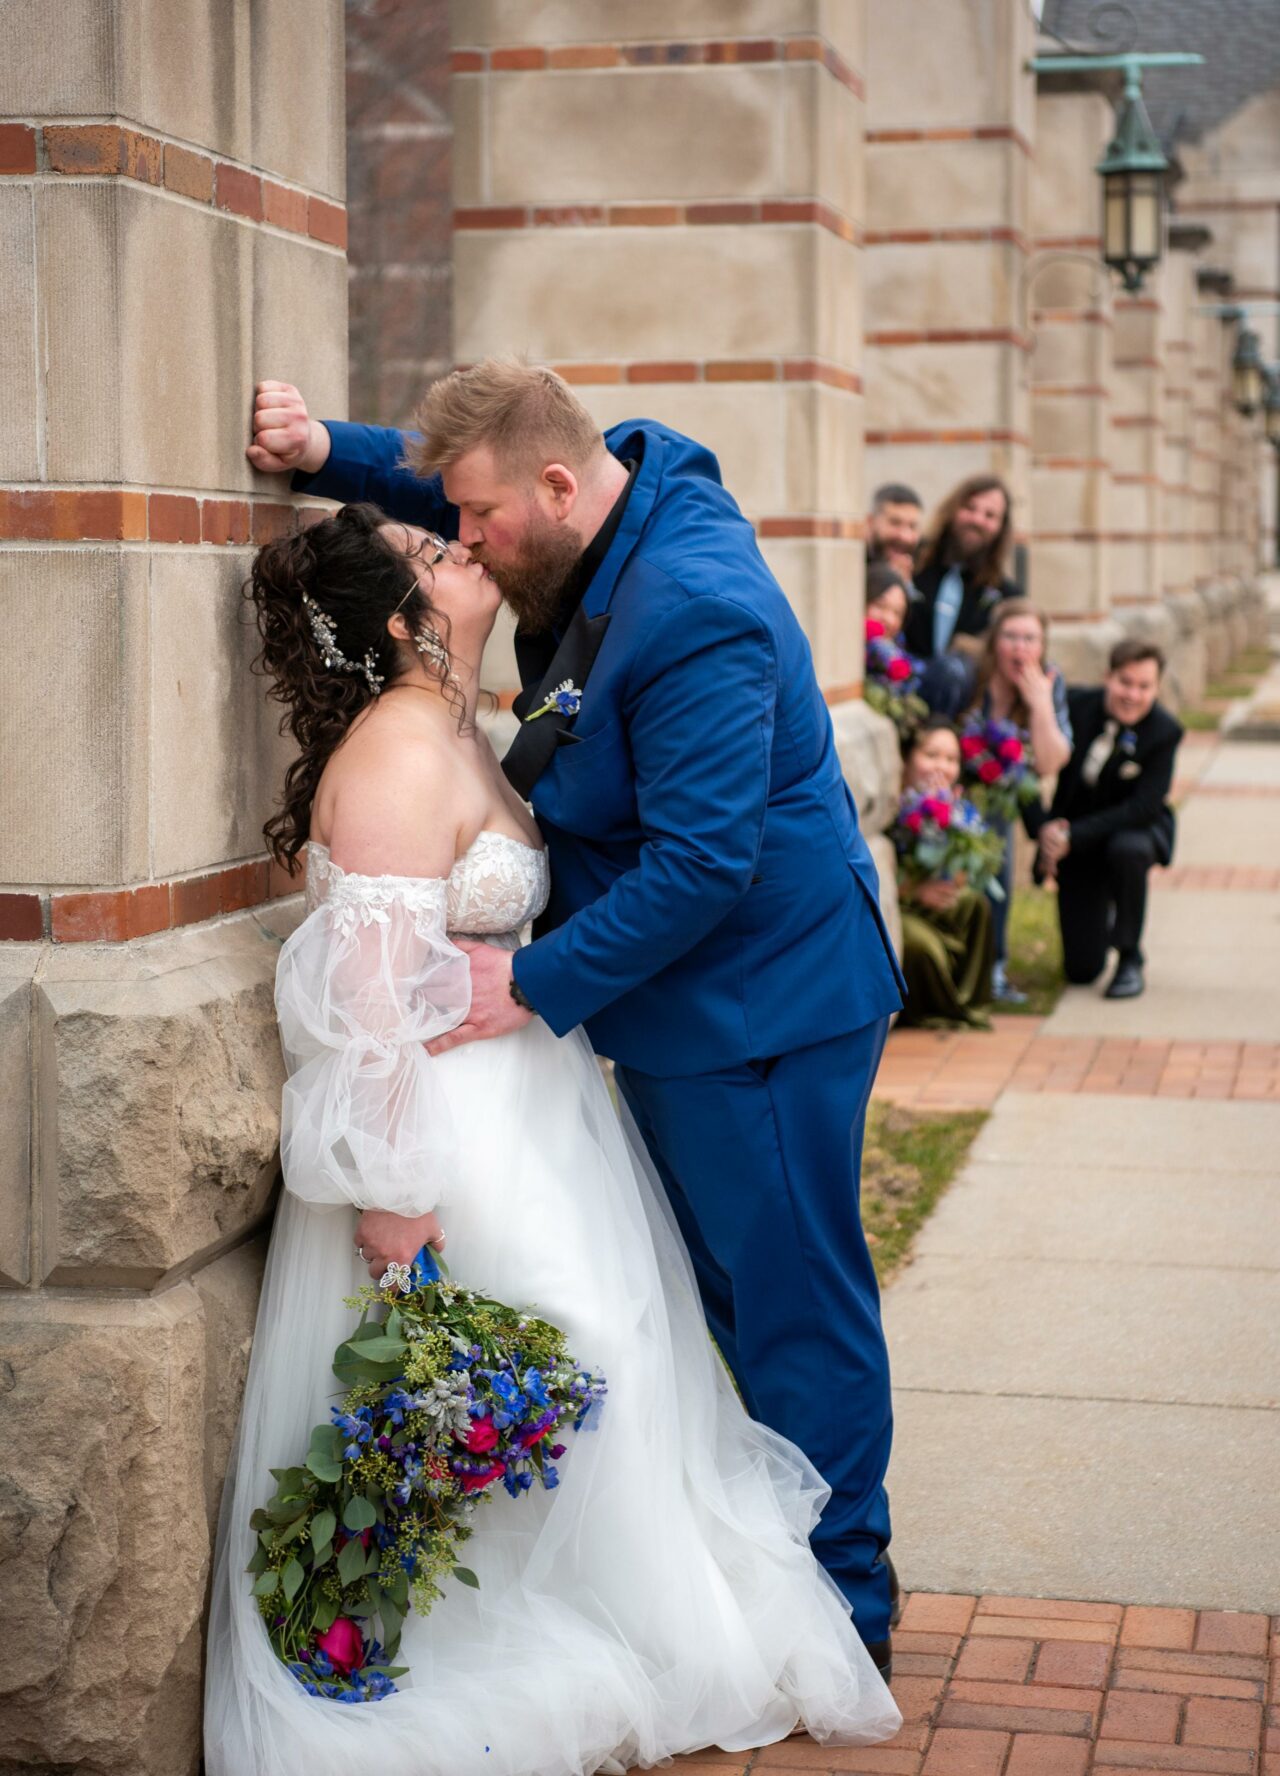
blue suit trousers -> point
(762, 1166)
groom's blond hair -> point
(526, 414)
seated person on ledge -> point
(948, 946)
(1110, 819)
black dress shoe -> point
(895, 1589)
(882, 1656)
(1127, 981)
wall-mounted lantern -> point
(1133, 169)
(1271, 406)
(1248, 373)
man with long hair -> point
(960, 579)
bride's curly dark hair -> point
(358, 580)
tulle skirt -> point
(663, 1598)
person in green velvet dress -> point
(948, 945)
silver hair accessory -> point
(326, 639)
(428, 643)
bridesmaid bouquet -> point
(448, 1395)
(892, 680)
(939, 836)
(998, 768)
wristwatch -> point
(518, 996)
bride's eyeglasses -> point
(439, 552)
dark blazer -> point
(712, 899)
(975, 608)
(1134, 785)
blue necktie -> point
(946, 609)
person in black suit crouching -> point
(1110, 819)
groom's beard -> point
(536, 582)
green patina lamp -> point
(1271, 406)
(1133, 186)
(1248, 373)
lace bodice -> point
(493, 891)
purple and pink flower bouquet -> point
(892, 680)
(941, 837)
(449, 1395)
(998, 768)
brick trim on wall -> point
(474, 218)
(113, 514)
(987, 132)
(110, 149)
(957, 435)
(715, 370)
(891, 336)
(717, 52)
(912, 237)
(116, 915)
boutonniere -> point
(1128, 742)
(566, 699)
(991, 595)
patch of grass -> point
(908, 1160)
(1035, 952)
(1204, 721)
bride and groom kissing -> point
(705, 915)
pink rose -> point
(527, 1439)
(989, 771)
(478, 1482)
(875, 628)
(939, 810)
(971, 745)
(898, 669)
(914, 821)
(344, 1644)
(1010, 750)
(482, 1436)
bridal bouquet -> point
(449, 1395)
(940, 836)
(892, 680)
(998, 768)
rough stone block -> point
(1069, 578)
(228, 1289)
(867, 745)
(1070, 499)
(17, 963)
(1082, 650)
(949, 66)
(911, 185)
(73, 791)
(823, 581)
(160, 1080)
(19, 446)
(104, 1532)
(297, 46)
(217, 762)
(939, 387)
(1072, 129)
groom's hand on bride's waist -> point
(494, 1012)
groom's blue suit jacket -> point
(713, 901)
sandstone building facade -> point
(840, 241)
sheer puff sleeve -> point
(365, 981)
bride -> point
(663, 1598)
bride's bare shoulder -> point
(390, 801)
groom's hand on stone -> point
(285, 437)
(493, 1011)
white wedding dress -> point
(663, 1597)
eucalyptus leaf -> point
(291, 1578)
(266, 1585)
(351, 1563)
(323, 1525)
(465, 1576)
(359, 1514)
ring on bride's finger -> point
(359, 1251)
(439, 1240)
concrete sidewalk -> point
(1086, 1349)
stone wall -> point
(171, 229)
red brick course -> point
(989, 1711)
(17, 149)
(524, 58)
(114, 514)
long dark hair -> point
(1005, 612)
(989, 568)
(347, 566)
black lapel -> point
(534, 655)
(531, 751)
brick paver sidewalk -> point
(1023, 1686)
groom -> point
(714, 920)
